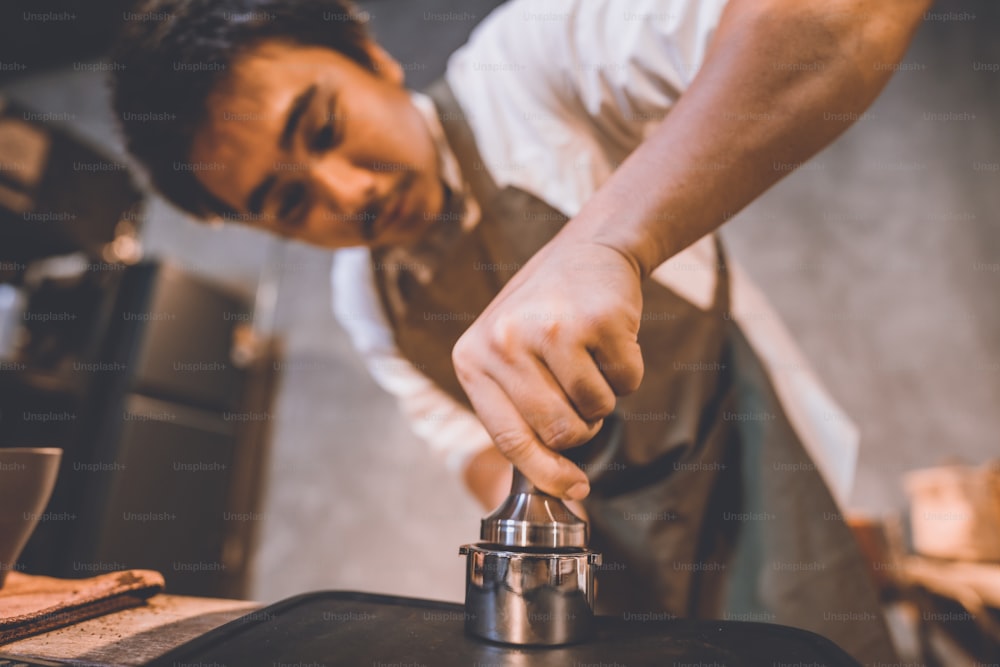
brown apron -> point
(703, 500)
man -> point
(559, 189)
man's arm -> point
(782, 79)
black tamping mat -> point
(336, 628)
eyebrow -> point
(296, 111)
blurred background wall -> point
(882, 255)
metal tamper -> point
(531, 578)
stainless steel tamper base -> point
(530, 518)
(531, 579)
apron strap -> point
(722, 300)
(462, 142)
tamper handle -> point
(589, 454)
(531, 518)
(521, 484)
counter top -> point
(345, 628)
(133, 636)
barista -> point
(560, 187)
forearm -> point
(776, 86)
(782, 79)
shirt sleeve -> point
(576, 85)
(627, 63)
(451, 430)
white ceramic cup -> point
(27, 477)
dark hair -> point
(172, 54)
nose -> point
(344, 187)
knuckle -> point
(562, 432)
(504, 335)
(629, 379)
(637, 380)
(592, 402)
(514, 443)
(610, 369)
(629, 383)
(550, 330)
(634, 378)
(597, 407)
(462, 357)
(603, 320)
(625, 376)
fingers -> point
(544, 362)
(535, 371)
(545, 395)
(550, 472)
(592, 373)
(543, 405)
(576, 375)
(621, 365)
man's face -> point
(307, 143)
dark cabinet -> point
(163, 434)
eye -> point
(325, 138)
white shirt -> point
(558, 93)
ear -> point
(385, 65)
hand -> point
(544, 362)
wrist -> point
(636, 246)
(641, 253)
